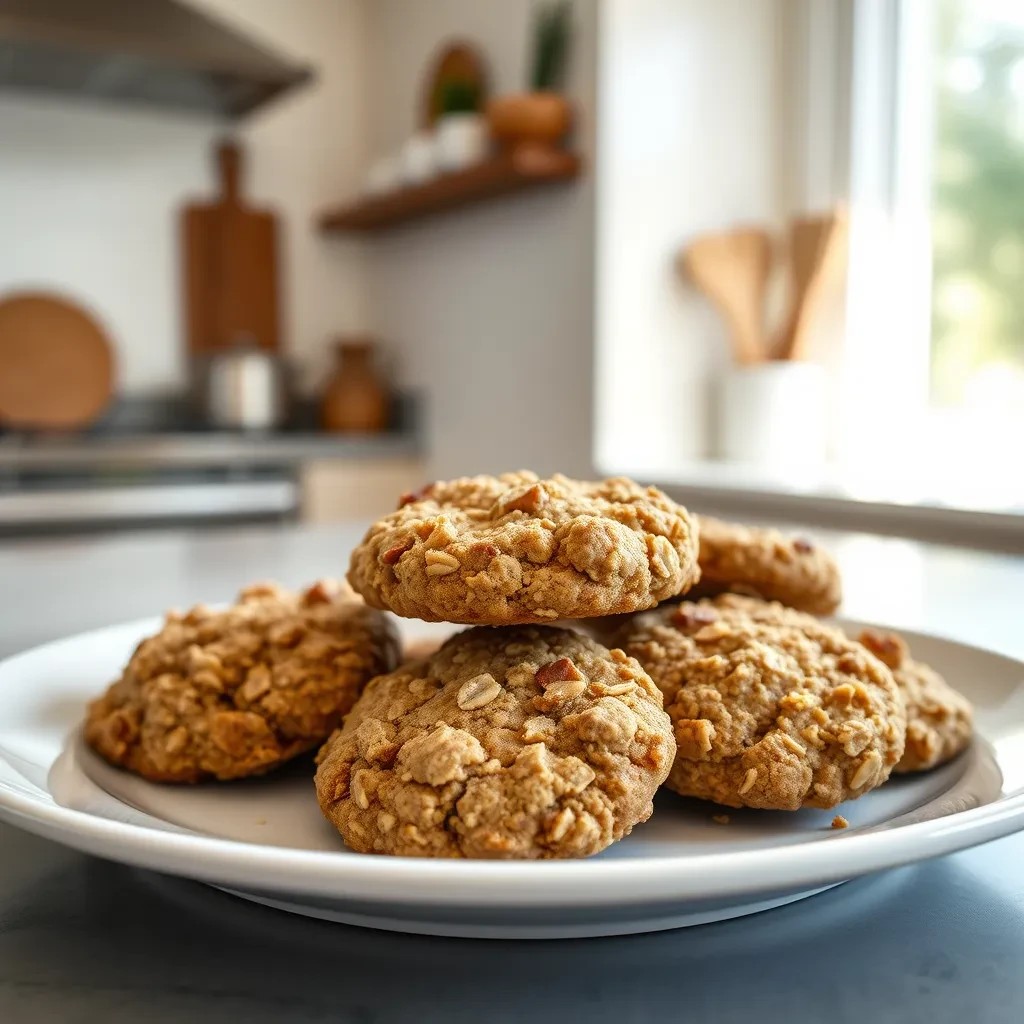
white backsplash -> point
(90, 195)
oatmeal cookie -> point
(617, 630)
(771, 708)
(515, 549)
(939, 719)
(226, 694)
(768, 564)
(757, 608)
(530, 742)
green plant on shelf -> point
(459, 97)
(552, 28)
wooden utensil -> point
(230, 266)
(56, 363)
(732, 269)
(817, 256)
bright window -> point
(933, 371)
(977, 302)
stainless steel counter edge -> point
(994, 531)
(199, 449)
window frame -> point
(888, 318)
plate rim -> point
(547, 884)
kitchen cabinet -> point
(332, 490)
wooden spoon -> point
(732, 270)
(817, 255)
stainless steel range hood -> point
(158, 52)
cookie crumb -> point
(721, 819)
(839, 822)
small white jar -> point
(460, 140)
(418, 158)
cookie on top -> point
(516, 549)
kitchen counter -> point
(160, 433)
(197, 449)
(950, 510)
(85, 940)
(151, 463)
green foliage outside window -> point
(978, 198)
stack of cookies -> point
(616, 644)
(518, 738)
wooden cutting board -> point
(230, 267)
(56, 364)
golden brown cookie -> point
(528, 742)
(768, 564)
(779, 711)
(515, 549)
(760, 610)
(226, 694)
(617, 630)
(939, 719)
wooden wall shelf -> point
(498, 176)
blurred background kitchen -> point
(268, 261)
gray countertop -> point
(84, 940)
(734, 490)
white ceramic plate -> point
(266, 840)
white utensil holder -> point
(773, 413)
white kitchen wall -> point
(494, 313)
(690, 140)
(89, 194)
(490, 310)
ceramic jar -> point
(355, 399)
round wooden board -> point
(56, 364)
